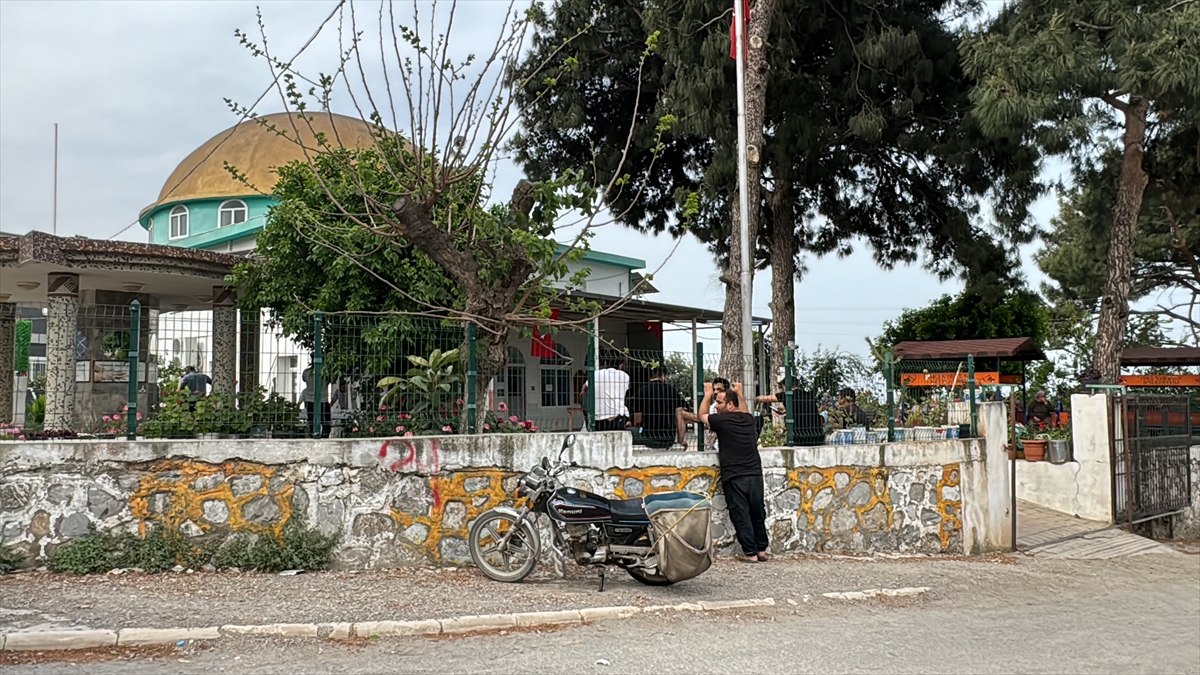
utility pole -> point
(746, 277)
(55, 221)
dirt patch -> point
(99, 654)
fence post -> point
(891, 396)
(789, 420)
(472, 380)
(318, 418)
(590, 399)
(131, 413)
(971, 393)
(700, 393)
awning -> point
(636, 310)
(1160, 356)
(1005, 349)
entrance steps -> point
(1046, 532)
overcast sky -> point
(136, 86)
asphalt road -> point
(1140, 616)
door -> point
(511, 389)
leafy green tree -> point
(863, 134)
(417, 212)
(968, 316)
(1068, 74)
(1165, 252)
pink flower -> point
(379, 419)
(407, 433)
(107, 418)
(125, 409)
(514, 418)
(460, 401)
(354, 429)
(21, 437)
(486, 426)
(371, 429)
(399, 429)
(502, 406)
(532, 427)
(139, 416)
(454, 412)
(382, 406)
(405, 416)
(447, 428)
(116, 418)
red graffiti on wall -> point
(409, 459)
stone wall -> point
(1083, 486)
(410, 501)
(1187, 524)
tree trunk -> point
(783, 274)
(756, 101)
(1114, 306)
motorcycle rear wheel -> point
(648, 578)
(512, 562)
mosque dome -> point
(256, 148)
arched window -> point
(515, 357)
(179, 222)
(231, 212)
(556, 378)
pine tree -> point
(1064, 74)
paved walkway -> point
(1046, 532)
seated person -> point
(658, 410)
(848, 413)
(807, 420)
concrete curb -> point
(82, 639)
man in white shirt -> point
(612, 386)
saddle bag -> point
(681, 528)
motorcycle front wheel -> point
(509, 562)
(648, 578)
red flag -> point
(543, 345)
(655, 327)
(733, 29)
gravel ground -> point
(44, 600)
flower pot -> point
(1035, 450)
(1059, 452)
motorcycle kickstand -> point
(602, 567)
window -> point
(179, 222)
(556, 380)
(231, 212)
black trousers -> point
(614, 424)
(744, 498)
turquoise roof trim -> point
(609, 259)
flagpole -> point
(746, 278)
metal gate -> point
(1151, 437)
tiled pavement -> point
(1046, 532)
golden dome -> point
(255, 149)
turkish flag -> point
(543, 345)
(733, 51)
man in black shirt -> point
(741, 467)
(658, 412)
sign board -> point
(110, 371)
(958, 379)
(1160, 380)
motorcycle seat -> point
(627, 511)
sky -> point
(136, 86)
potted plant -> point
(1059, 444)
(1034, 443)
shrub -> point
(90, 554)
(300, 548)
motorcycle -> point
(505, 542)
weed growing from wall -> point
(298, 548)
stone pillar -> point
(8, 349)
(224, 341)
(62, 291)
(250, 337)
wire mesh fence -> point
(128, 370)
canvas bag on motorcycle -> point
(681, 523)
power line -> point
(248, 113)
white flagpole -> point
(746, 278)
